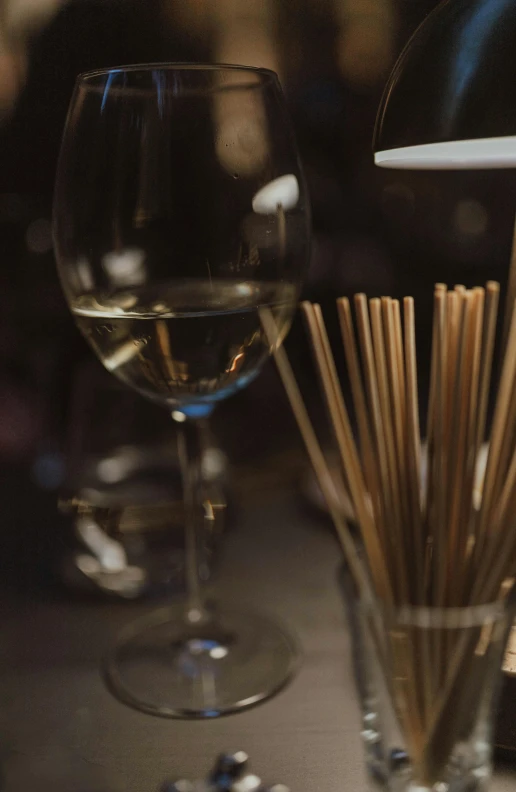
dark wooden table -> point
(61, 731)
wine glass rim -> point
(171, 66)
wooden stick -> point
(432, 470)
(322, 473)
(347, 448)
(453, 318)
(396, 377)
(486, 358)
(413, 437)
(501, 552)
(459, 453)
(506, 448)
(466, 524)
(324, 479)
(438, 515)
(498, 551)
(355, 377)
(371, 471)
(486, 363)
(457, 300)
(497, 433)
(430, 407)
(378, 436)
(392, 468)
(396, 319)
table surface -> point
(60, 730)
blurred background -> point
(384, 232)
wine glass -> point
(181, 227)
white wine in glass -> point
(185, 339)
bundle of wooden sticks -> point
(441, 541)
(438, 540)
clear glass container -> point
(122, 493)
(428, 680)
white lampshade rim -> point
(474, 154)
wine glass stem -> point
(190, 461)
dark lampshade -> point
(453, 91)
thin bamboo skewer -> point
(505, 449)
(434, 462)
(411, 492)
(453, 317)
(503, 510)
(400, 398)
(502, 553)
(317, 459)
(486, 362)
(453, 324)
(437, 579)
(497, 433)
(459, 447)
(438, 515)
(398, 335)
(430, 414)
(396, 378)
(322, 472)
(364, 428)
(435, 509)
(347, 448)
(366, 345)
(457, 395)
(350, 349)
(500, 550)
(500, 547)
(457, 459)
(467, 512)
(413, 438)
(392, 472)
(488, 340)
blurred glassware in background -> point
(122, 489)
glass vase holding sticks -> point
(428, 680)
(439, 548)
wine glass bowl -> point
(181, 227)
(154, 221)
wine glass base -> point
(165, 665)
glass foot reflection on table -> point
(167, 665)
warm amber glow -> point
(365, 49)
(243, 33)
